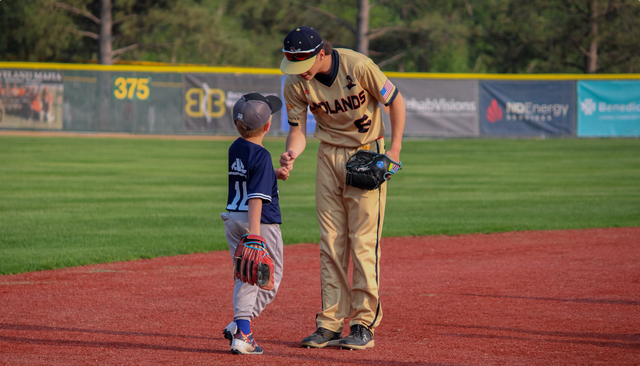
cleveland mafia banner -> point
(31, 99)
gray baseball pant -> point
(249, 300)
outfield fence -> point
(199, 100)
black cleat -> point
(321, 338)
(359, 338)
(229, 331)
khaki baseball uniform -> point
(345, 104)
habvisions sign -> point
(440, 107)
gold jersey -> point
(345, 103)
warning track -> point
(522, 298)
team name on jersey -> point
(350, 102)
(237, 168)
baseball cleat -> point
(359, 338)
(244, 344)
(230, 330)
(321, 338)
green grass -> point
(75, 201)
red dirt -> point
(523, 298)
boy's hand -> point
(282, 173)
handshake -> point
(286, 164)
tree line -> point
(468, 36)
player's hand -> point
(282, 173)
(393, 155)
(287, 159)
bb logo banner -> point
(208, 99)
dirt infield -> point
(524, 298)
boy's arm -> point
(255, 212)
(282, 173)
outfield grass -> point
(74, 201)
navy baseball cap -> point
(301, 47)
(254, 109)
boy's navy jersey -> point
(251, 175)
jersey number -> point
(239, 195)
(363, 124)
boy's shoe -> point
(321, 338)
(359, 338)
(230, 330)
(244, 344)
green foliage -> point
(497, 36)
(75, 201)
(31, 31)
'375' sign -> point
(131, 88)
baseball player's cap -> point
(254, 109)
(301, 47)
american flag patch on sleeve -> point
(386, 89)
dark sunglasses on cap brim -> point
(300, 55)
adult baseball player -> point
(344, 90)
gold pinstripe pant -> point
(350, 222)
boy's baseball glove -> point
(252, 262)
(368, 170)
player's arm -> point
(379, 86)
(297, 114)
(296, 143)
(255, 213)
(397, 116)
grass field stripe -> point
(68, 201)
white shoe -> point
(230, 330)
(244, 344)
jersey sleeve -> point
(296, 103)
(377, 83)
(260, 178)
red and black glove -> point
(252, 262)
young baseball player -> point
(344, 90)
(252, 204)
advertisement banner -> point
(208, 99)
(439, 107)
(609, 108)
(31, 99)
(527, 108)
(122, 101)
